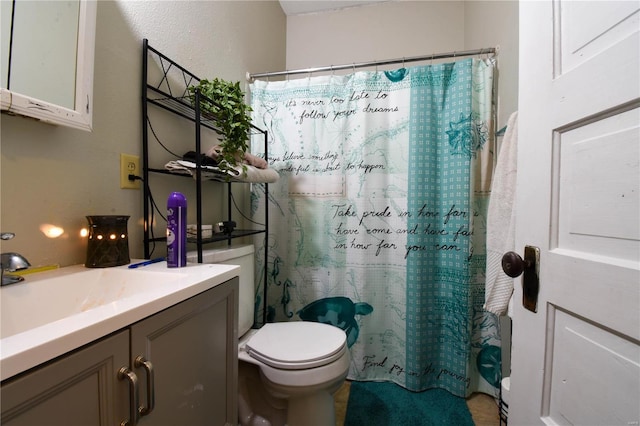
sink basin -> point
(54, 312)
(39, 301)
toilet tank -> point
(242, 255)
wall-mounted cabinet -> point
(48, 59)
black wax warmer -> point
(108, 243)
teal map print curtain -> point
(377, 224)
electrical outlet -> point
(129, 165)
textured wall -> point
(55, 175)
(397, 29)
(377, 31)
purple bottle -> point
(176, 230)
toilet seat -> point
(297, 345)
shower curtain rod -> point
(488, 51)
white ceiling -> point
(297, 7)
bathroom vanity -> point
(177, 365)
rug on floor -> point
(387, 404)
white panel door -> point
(577, 360)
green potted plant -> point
(230, 114)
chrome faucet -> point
(11, 262)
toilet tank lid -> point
(297, 342)
(222, 254)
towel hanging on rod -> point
(487, 51)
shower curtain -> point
(377, 224)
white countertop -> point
(33, 346)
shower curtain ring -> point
(403, 62)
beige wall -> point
(495, 23)
(55, 175)
(378, 31)
(397, 29)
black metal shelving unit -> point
(169, 90)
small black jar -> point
(108, 241)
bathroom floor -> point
(483, 408)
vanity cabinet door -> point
(193, 349)
(79, 389)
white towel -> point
(501, 221)
(242, 173)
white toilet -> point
(287, 371)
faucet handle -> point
(7, 235)
(13, 262)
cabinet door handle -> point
(125, 374)
(141, 361)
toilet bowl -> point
(287, 371)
